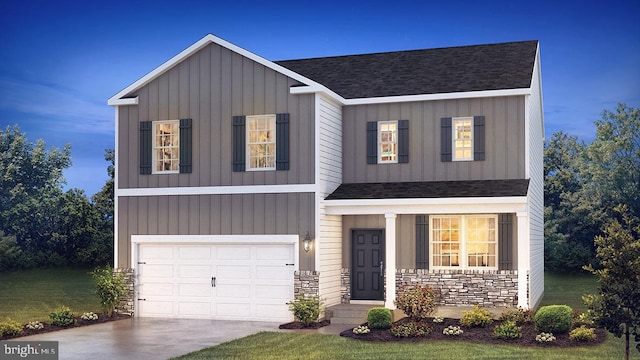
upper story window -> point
(261, 142)
(462, 138)
(387, 142)
(464, 242)
(166, 146)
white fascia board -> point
(537, 76)
(478, 205)
(123, 101)
(200, 44)
(218, 190)
(317, 88)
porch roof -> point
(431, 189)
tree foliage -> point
(40, 224)
(616, 306)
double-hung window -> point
(464, 242)
(388, 142)
(166, 146)
(261, 142)
(462, 138)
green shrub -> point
(62, 316)
(306, 310)
(555, 319)
(508, 330)
(411, 329)
(477, 317)
(517, 315)
(110, 288)
(379, 318)
(10, 327)
(582, 333)
(417, 302)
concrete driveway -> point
(147, 338)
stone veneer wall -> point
(306, 283)
(126, 303)
(492, 288)
(345, 285)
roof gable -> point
(429, 71)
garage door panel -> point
(225, 252)
(194, 271)
(252, 282)
(194, 252)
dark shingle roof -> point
(431, 189)
(428, 71)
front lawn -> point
(33, 294)
(559, 289)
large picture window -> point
(462, 138)
(261, 142)
(462, 242)
(166, 146)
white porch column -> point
(390, 259)
(524, 250)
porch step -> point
(348, 313)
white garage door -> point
(235, 282)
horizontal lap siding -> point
(504, 140)
(211, 87)
(250, 214)
(330, 177)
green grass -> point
(33, 294)
(559, 289)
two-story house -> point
(243, 182)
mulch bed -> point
(295, 325)
(480, 335)
(79, 322)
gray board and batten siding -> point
(210, 87)
(504, 141)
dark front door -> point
(367, 265)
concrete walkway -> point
(147, 338)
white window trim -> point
(154, 156)
(380, 161)
(463, 256)
(453, 138)
(248, 144)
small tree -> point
(110, 288)
(616, 306)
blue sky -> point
(61, 60)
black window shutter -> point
(282, 141)
(186, 146)
(478, 138)
(145, 147)
(422, 241)
(505, 242)
(239, 145)
(372, 142)
(403, 141)
(445, 139)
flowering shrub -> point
(362, 329)
(452, 330)
(417, 302)
(438, 319)
(508, 330)
(583, 333)
(34, 325)
(62, 316)
(517, 315)
(477, 317)
(90, 316)
(411, 329)
(545, 338)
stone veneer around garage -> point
(306, 283)
(492, 288)
(126, 303)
